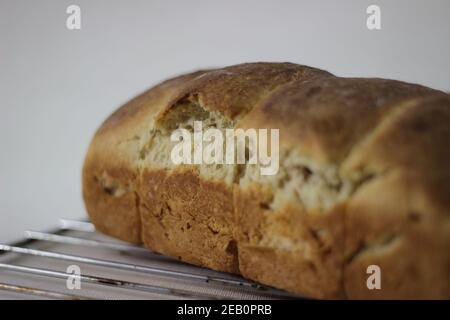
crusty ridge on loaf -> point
(354, 187)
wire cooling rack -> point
(40, 267)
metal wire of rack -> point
(37, 268)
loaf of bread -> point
(363, 180)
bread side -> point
(311, 228)
(301, 212)
(399, 218)
(110, 170)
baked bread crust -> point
(314, 227)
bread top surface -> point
(362, 126)
(326, 117)
(230, 91)
(117, 141)
(411, 142)
(358, 129)
(235, 90)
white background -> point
(56, 85)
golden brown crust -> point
(287, 248)
(110, 209)
(235, 90)
(390, 223)
(399, 218)
(327, 116)
(119, 144)
(111, 162)
(388, 201)
(186, 217)
(367, 126)
(181, 198)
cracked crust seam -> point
(239, 173)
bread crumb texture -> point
(363, 179)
